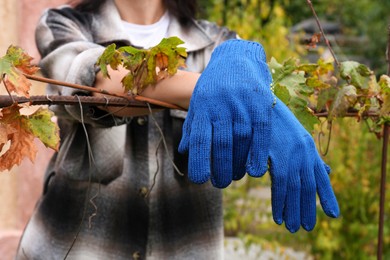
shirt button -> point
(143, 192)
(141, 120)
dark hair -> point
(183, 10)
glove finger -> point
(327, 168)
(278, 173)
(308, 195)
(258, 154)
(222, 152)
(292, 211)
(325, 192)
(200, 150)
(185, 138)
(241, 142)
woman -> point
(175, 218)
(111, 191)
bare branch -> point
(323, 33)
(6, 101)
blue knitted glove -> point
(228, 127)
(297, 173)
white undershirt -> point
(147, 36)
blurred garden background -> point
(358, 30)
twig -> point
(157, 169)
(323, 33)
(102, 91)
(386, 133)
(321, 134)
(6, 88)
(6, 101)
(164, 142)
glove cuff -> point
(237, 47)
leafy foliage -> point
(17, 131)
(12, 66)
(145, 67)
(20, 131)
(355, 161)
(305, 86)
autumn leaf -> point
(21, 60)
(304, 114)
(325, 98)
(289, 84)
(282, 93)
(345, 98)
(42, 127)
(5, 131)
(20, 138)
(145, 67)
(110, 57)
(20, 131)
(161, 66)
(12, 66)
(384, 83)
(312, 43)
(356, 73)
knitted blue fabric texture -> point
(297, 174)
(227, 131)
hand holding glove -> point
(228, 127)
(232, 128)
(297, 173)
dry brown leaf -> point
(20, 85)
(20, 138)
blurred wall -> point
(21, 186)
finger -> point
(278, 173)
(222, 152)
(327, 168)
(292, 211)
(258, 154)
(325, 192)
(308, 195)
(242, 136)
(200, 150)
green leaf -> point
(384, 84)
(325, 67)
(111, 57)
(325, 98)
(42, 127)
(289, 85)
(128, 80)
(13, 65)
(130, 50)
(281, 71)
(286, 75)
(145, 67)
(308, 68)
(5, 67)
(346, 97)
(305, 116)
(319, 69)
(282, 93)
(358, 74)
(316, 83)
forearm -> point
(175, 90)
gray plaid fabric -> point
(106, 191)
